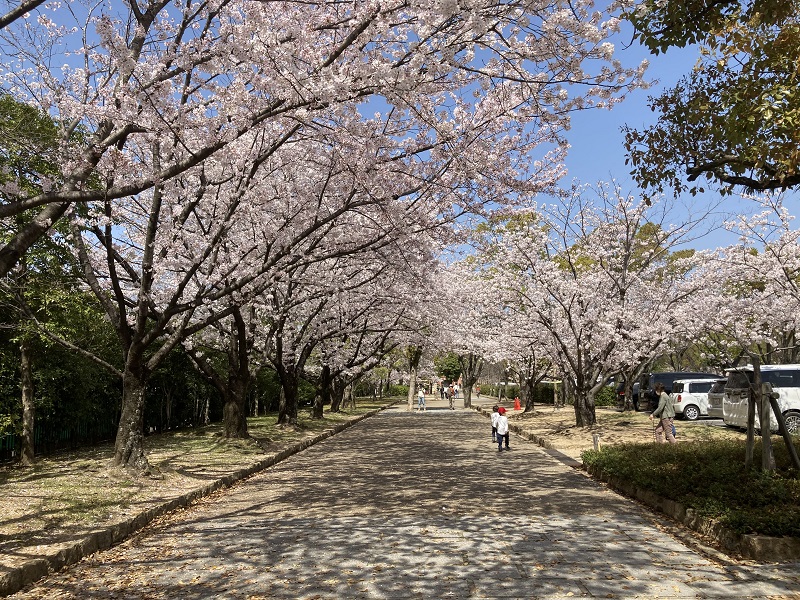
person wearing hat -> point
(502, 429)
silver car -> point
(716, 395)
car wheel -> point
(691, 413)
(792, 419)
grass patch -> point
(66, 494)
(710, 477)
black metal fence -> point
(49, 438)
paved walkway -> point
(413, 505)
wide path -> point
(413, 505)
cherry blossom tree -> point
(564, 270)
(146, 92)
(192, 138)
(753, 299)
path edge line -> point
(104, 538)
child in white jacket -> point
(502, 429)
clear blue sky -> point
(598, 153)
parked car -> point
(690, 397)
(634, 394)
(647, 399)
(785, 380)
(715, 397)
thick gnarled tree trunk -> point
(129, 445)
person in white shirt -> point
(495, 416)
(502, 429)
(421, 398)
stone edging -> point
(33, 570)
(757, 547)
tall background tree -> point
(735, 120)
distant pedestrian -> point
(478, 391)
(442, 391)
(502, 429)
(421, 400)
(495, 415)
(665, 413)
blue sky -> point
(598, 153)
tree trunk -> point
(414, 354)
(753, 400)
(129, 445)
(323, 395)
(234, 411)
(527, 385)
(287, 411)
(471, 367)
(337, 394)
(767, 457)
(628, 378)
(584, 407)
(27, 457)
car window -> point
(781, 378)
(737, 379)
(677, 388)
(718, 387)
(701, 388)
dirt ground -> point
(557, 426)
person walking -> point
(502, 429)
(421, 400)
(495, 415)
(665, 412)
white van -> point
(785, 380)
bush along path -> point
(72, 504)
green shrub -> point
(511, 390)
(398, 390)
(710, 477)
(607, 396)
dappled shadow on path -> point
(406, 505)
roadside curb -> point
(31, 571)
(751, 546)
(756, 547)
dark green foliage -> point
(268, 388)
(177, 396)
(448, 366)
(607, 396)
(710, 477)
(511, 390)
(544, 393)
